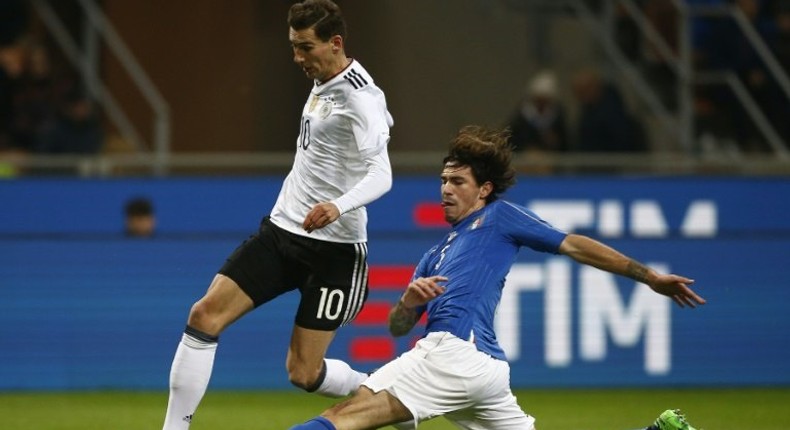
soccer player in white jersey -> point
(458, 370)
(315, 238)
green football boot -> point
(672, 419)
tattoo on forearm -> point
(401, 320)
(637, 271)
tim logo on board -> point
(600, 313)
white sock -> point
(340, 380)
(189, 378)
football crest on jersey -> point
(325, 109)
(477, 223)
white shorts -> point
(444, 375)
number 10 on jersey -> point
(330, 305)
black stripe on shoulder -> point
(355, 79)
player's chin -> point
(310, 73)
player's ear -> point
(485, 190)
(337, 43)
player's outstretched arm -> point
(677, 288)
(593, 253)
(403, 316)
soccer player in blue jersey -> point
(458, 370)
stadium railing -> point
(415, 162)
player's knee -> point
(304, 379)
(201, 317)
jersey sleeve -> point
(376, 182)
(527, 229)
(370, 121)
(370, 124)
(422, 271)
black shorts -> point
(332, 277)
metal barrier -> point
(155, 158)
(83, 58)
(679, 124)
(416, 162)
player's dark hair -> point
(139, 206)
(323, 15)
(487, 153)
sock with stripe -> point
(317, 423)
(339, 379)
(189, 377)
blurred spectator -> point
(627, 34)
(728, 49)
(11, 67)
(701, 28)
(42, 109)
(781, 40)
(76, 128)
(713, 125)
(604, 125)
(664, 17)
(140, 219)
(780, 45)
(538, 124)
(14, 20)
(35, 104)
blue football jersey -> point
(475, 257)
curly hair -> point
(488, 154)
(323, 15)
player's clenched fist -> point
(320, 216)
(422, 290)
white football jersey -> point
(342, 141)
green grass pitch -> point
(555, 409)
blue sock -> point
(317, 423)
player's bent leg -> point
(309, 370)
(223, 303)
(189, 377)
(494, 407)
(340, 379)
(497, 418)
(194, 358)
(305, 359)
(469, 423)
(367, 410)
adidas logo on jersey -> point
(355, 79)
